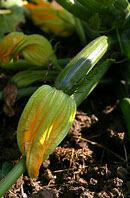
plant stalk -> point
(80, 31)
(22, 65)
(12, 176)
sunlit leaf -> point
(10, 22)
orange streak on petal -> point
(34, 161)
(29, 132)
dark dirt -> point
(92, 161)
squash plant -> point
(50, 111)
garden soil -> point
(92, 161)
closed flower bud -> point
(44, 123)
(28, 77)
(35, 49)
(52, 18)
(7, 46)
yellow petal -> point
(8, 44)
(45, 121)
(35, 49)
(51, 18)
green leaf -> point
(95, 22)
(10, 22)
(75, 8)
(10, 3)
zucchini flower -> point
(51, 17)
(7, 46)
(35, 49)
(44, 123)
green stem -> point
(12, 176)
(80, 31)
(22, 65)
(125, 107)
(127, 12)
(56, 64)
(63, 62)
(119, 40)
(19, 65)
